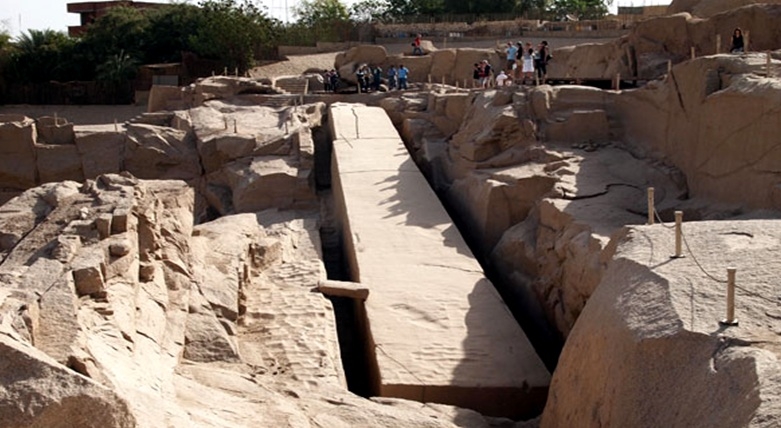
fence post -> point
(443, 80)
(718, 43)
(767, 63)
(116, 127)
(429, 79)
(678, 235)
(235, 127)
(692, 51)
(650, 205)
(730, 320)
(745, 41)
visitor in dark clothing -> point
(737, 41)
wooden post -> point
(693, 54)
(236, 71)
(458, 84)
(225, 71)
(116, 126)
(718, 44)
(745, 41)
(669, 66)
(730, 320)
(464, 83)
(443, 80)
(235, 127)
(444, 42)
(678, 235)
(617, 82)
(767, 63)
(56, 119)
(429, 79)
(650, 205)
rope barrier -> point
(659, 219)
(708, 274)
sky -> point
(21, 15)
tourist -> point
(335, 80)
(477, 73)
(376, 77)
(392, 82)
(527, 67)
(362, 76)
(737, 41)
(402, 74)
(541, 61)
(327, 80)
(512, 56)
(502, 79)
(485, 74)
(416, 50)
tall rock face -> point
(645, 52)
(648, 349)
(715, 118)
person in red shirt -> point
(416, 50)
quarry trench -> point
(357, 347)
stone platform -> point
(437, 329)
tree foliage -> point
(315, 13)
(583, 9)
(40, 56)
(370, 10)
(232, 31)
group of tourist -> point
(369, 78)
(523, 61)
(331, 80)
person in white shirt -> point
(502, 79)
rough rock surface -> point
(651, 331)
(706, 9)
(244, 158)
(690, 121)
(653, 42)
(540, 179)
(212, 325)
